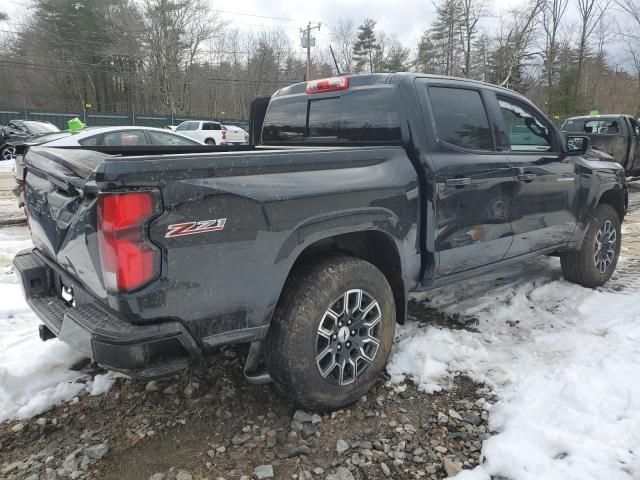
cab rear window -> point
(365, 116)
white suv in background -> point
(211, 133)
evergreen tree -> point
(396, 58)
(365, 47)
(444, 35)
(425, 61)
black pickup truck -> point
(615, 135)
(306, 246)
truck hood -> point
(594, 154)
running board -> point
(254, 371)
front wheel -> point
(332, 333)
(595, 262)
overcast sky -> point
(405, 19)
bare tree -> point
(175, 32)
(471, 12)
(552, 14)
(514, 40)
(632, 10)
(590, 13)
(343, 36)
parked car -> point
(616, 135)
(211, 133)
(118, 136)
(171, 127)
(364, 188)
(235, 135)
(17, 130)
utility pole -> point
(308, 42)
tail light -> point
(332, 84)
(129, 259)
(224, 135)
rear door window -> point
(365, 116)
(163, 138)
(460, 118)
(89, 141)
(211, 126)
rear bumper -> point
(144, 351)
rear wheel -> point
(210, 141)
(595, 262)
(8, 152)
(332, 333)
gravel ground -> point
(209, 423)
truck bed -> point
(261, 192)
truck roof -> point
(360, 79)
(595, 117)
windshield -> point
(40, 128)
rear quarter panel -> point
(274, 205)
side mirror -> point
(578, 145)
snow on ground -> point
(6, 165)
(34, 375)
(563, 360)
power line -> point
(244, 80)
(287, 19)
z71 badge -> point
(191, 228)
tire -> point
(210, 141)
(8, 152)
(293, 341)
(591, 266)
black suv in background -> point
(614, 135)
(17, 130)
(362, 190)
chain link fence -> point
(60, 119)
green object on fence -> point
(594, 112)
(75, 125)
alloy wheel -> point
(348, 337)
(605, 247)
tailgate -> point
(61, 217)
(235, 136)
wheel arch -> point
(617, 198)
(373, 246)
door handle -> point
(457, 182)
(526, 177)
